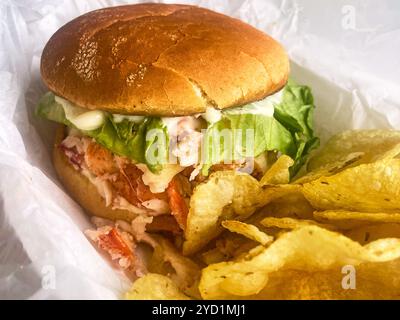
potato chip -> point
(247, 230)
(330, 169)
(231, 245)
(283, 200)
(367, 233)
(293, 205)
(155, 287)
(186, 273)
(167, 260)
(373, 187)
(309, 249)
(372, 281)
(226, 195)
(291, 223)
(279, 171)
(273, 192)
(350, 149)
(367, 146)
(350, 219)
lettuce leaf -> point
(125, 138)
(248, 135)
(48, 108)
(289, 131)
(295, 113)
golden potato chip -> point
(308, 249)
(329, 169)
(372, 281)
(293, 205)
(279, 171)
(350, 219)
(367, 233)
(350, 149)
(186, 273)
(373, 187)
(291, 223)
(284, 199)
(231, 245)
(226, 195)
(370, 145)
(272, 192)
(155, 287)
(167, 260)
(247, 230)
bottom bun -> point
(80, 188)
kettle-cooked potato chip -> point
(350, 149)
(308, 249)
(291, 223)
(370, 281)
(367, 233)
(226, 195)
(330, 169)
(155, 286)
(293, 205)
(247, 230)
(350, 219)
(372, 145)
(166, 259)
(279, 172)
(233, 244)
(373, 187)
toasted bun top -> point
(159, 59)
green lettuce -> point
(289, 131)
(266, 133)
(124, 138)
(295, 113)
(49, 109)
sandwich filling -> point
(150, 165)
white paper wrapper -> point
(346, 51)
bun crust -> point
(81, 189)
(159, 59)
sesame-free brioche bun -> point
(160, 59)
(80, 188)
